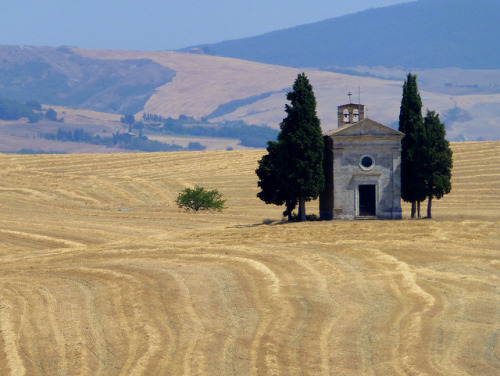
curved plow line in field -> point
(85, 342)
(11, 345)
(138, 358)
(67, 243)
(195, 360)
(411, 324)
(263, 337)
(357, 340)
(26, 193)
(298, 315)
(59, 343)
(164, 292)
(477, 176)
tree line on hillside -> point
(126, 141)
(32, 110)
(291, 172)
(249, 135)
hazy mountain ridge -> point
(59, 76)
(426, 34)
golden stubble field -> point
(101, 274)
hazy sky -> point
(159, 24)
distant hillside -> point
(417, 35)
(214, 92)
(62, 77)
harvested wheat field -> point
(101, 274)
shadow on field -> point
(265, 222)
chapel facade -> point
(362, 168)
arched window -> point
(355, 116)
(346, 115)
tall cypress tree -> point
(271, 177)
(292, 170)
(438, 160)
(411, 123)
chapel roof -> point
(366, 126)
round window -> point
(366, 162)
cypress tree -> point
(271, 179)
(439, 160)
(411, 123)
(292, 171)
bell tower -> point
(350, 113)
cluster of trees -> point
(426, 157)
(132, 142)
(292, 171)
(128, 119)
(249, 135)
(120, 140)
(32, 110)
(153, 117)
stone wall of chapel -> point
(348, 174)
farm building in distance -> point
(362, 168)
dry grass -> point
(101, 274)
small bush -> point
(200, 199)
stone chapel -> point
(362, 168)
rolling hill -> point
(425, 34)
(101, 274)
(217, 90)
(61, 77)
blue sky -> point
(159, 24)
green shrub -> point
(200, 199)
